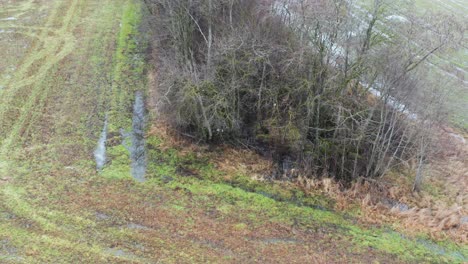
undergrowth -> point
(195, 175)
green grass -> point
(55, 103)
(129, 66)
(283, 205)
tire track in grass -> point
(47, 227)
(8, 94)
(51, 228)
(61, 46)
(17, 9)
(77, 96)
(36, 53)
(46, 47)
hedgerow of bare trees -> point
(322, 83)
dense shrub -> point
(290, 75)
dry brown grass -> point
(226, 157)
(426, 213)
(439, 210)
(206, 234)
(438, 214)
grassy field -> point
(451, 66)
(66, 64)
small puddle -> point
(391, 204)
(102, 216)
(137, 150)
(280, 241)
(137, 226)
(458, 138)
(120, 253)
(100, 151)
(464, 220)
(442, 251)
(8, 19)
(458, 255)
(9, 252)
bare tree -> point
(324, 82)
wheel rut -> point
(53, 45)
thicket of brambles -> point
(329, 87)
